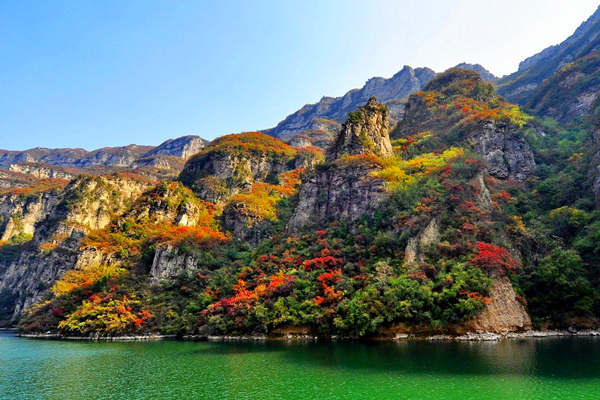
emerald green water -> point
(567, 368)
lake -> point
(560, 368)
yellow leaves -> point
(403, 172)
(251, 142)
(262, 198)
(84, 277)
(359, 160)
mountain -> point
(259, 236)
(448, 211)
(520, 85)
(130, 156)
(317, 124)
(483, 73)
(570, 92)
(403, 83)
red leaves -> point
(330, 277)
(503, 195)
(322, 262)
(493, 257)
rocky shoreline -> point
(468, 337)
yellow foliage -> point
(85, 277)
(403, 172)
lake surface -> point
(562, 368)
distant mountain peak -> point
(336, 109)
(484, 73)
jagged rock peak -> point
(365, 131)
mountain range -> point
(453, 203)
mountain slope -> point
(519, 86)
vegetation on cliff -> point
(441, 227)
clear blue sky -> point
(105, 73)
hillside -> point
(519, 86)
(446, 226)
(418, 205)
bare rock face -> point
(170, 262)
(343, 188)
(244, 225)
(503, 314)
(42, 171)
(182, 147)
(417, 245)
(337, 194)
(365, 132)
(506, 153)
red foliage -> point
(322, 262)
(493, 257)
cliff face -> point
(365, 132)
(504, 313)
(504, 150)
(57, 222)
(343, 189)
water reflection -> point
(530, 369)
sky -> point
(90, 74)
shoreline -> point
(468, 337)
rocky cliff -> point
(503, 313)
(343, 189)
(234, 162)
(56, 223)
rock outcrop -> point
(365, 132)
(504, 313)
(43, 171)
(170, 262)
(500, 141)
(343, 188)
(232, 163)
(417, 245)
(505, 152)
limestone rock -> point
(365, 132)
(170, 262)
(503, 314)
(505, 151)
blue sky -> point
(107, 73)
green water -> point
(567, 368)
